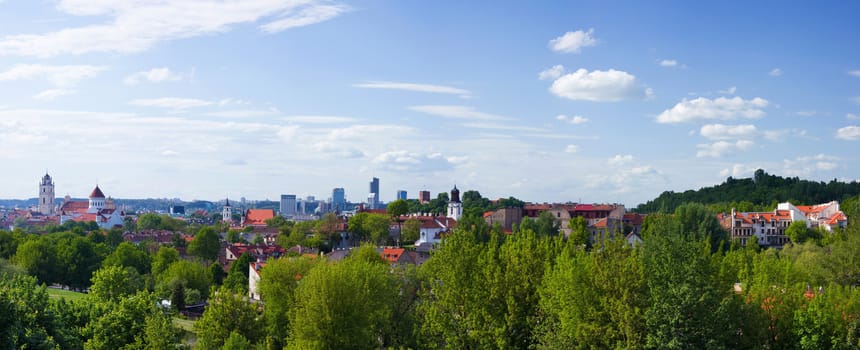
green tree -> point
(397, 208)
(77, 258)
(236, 341)
(410, 230)
(193, 276)
(130, 255)
(39, 257)
(163, 258)
(578, 232)
(378, 227)
(237, 277)
(113, 283)
(28, 319)
(206, 244)
(149, 221)
(216, 273)
(278, 281)
(326, 316)
(159, 331)
(124, 326)
(799, 233)
(228, 313)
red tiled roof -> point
(602, 223)
(97, 193)
(75, 206)
(258, 216)
(86, 218)
(392, 255)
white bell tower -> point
(227, 212)
(455, 207)
(46, 195)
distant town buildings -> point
(769, 227)
(98, 209)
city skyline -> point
(582, 102)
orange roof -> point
(392, 254)
(488, 214)
(86, 218)
(836, 218)
(258, 216)
(75, 206)
(97, 193)
(601, 223)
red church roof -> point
(97, 193)
(258, 217)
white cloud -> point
(782, 135)
(576, 119)
(571, 149)
(620, 159)
(58, 75)
(50, 94)
(730, 91)
(852, 116)
(728, 132)
(439, 89)
(457, 112)
(806, 165)
(775, 72)
(856, 100)
(244, 113)
(806, 113)
(169, 153)
(604, 86)
(136, 26)
(318, 119)
(405, 161)
(720, 108)
(307, 16)
(855, 73)
(851, 133)
(171, 102)
(551, 73)
(739, 171)
(496, 126)
(668, 63)
(722, 148)
(155, 75)
(573, 41)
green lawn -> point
(186, 325)
(61, 293)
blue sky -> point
(546, 101)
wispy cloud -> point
(171, 102)
(775, 72)
(456, 112)
(573, 42)
(855, 73)
(154, 75)
(575, 120)
(136, 26)
(551, 73)
(51, 94)
(318, 119)
(66, 75)
(722, 148)
(438, 89)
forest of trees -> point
(760, 193)
(684, 287)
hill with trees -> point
(760, 193)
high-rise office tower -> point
(401, 194)
(374, 192)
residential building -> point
(769, 227)
(505, 217)
(424, 196)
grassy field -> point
(186, 325)
(61, 293)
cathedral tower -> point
(227, 212)
(46, 195)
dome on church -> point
(97, 193)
